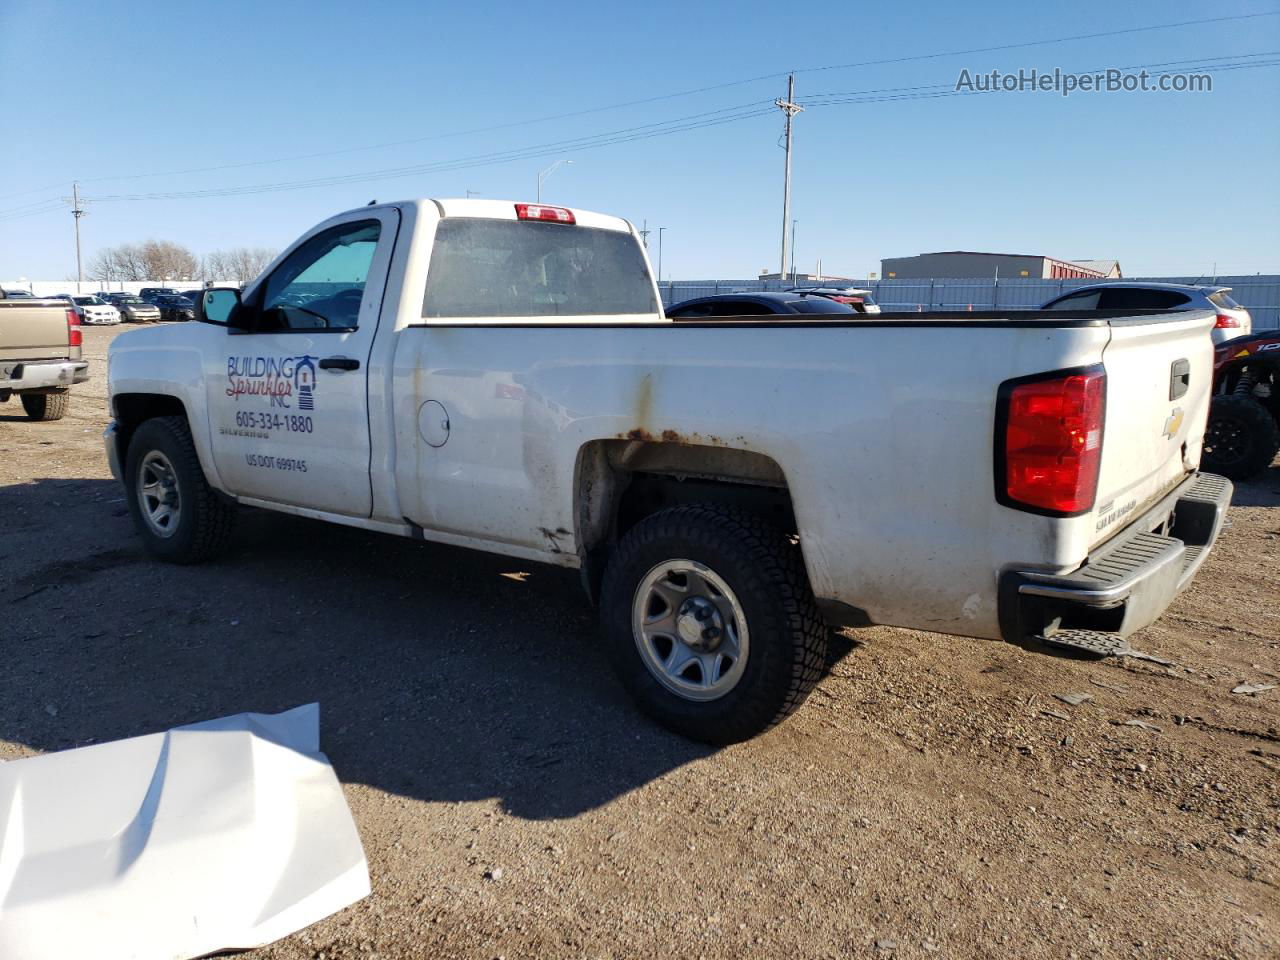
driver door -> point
(288, 396)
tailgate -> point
(32, 331)
(1159, 377)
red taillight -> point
(1225, 320)
(75, 337)
(536, 211)
(1052, 442)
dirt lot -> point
(932, 799)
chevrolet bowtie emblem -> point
(1174, 423)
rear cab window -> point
(487, 268)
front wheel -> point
(180, 517)
(710, 622)
(1242, 438)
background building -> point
(1005, 266)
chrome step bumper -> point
(1130, 581)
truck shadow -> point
(1262, 491)
(443, 674)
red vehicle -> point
(1243, 435)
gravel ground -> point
(931, 799)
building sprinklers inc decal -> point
(288, 383)
(285, 380)
(1100, 81)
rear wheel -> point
(1242, 438)
(710, 622)
(178, 515)
(46, 406)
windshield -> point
(89, 302)
(136, 300)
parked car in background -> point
(859, 298)
(150, 293)
(17, 294)
(174, 308)
(135, 309)
(40, 354)
(95, 310)
(1233, 319)
(754, 305)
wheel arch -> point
(131, 409)
(619, 482)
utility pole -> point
(644, 234)
(77, 211)
(661, 231)
(793, 252)
(790, 108)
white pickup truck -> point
(501, 376)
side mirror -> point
(218, 306)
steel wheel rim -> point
(158, 497)
(1227, 440)
(676, 603)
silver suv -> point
(1233, 319)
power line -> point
(680, 93)
(624, 135)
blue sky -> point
(112, 94)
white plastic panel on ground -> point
(219, 835)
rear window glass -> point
(514, 268)
(1220, 299)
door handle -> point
(339, 363)
(1179, 378)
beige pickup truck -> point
(40, 355)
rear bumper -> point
(41, 374)
(1131, 579)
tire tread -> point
(215, 516)
(778, 570)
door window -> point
(739, 308)
(1085, 300)
(320, 285)
(1138, 298)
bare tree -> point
(152, 260)
(241, 264)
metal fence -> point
(1259, 293)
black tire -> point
(788, 638)
(1242, 438)
(206, 518)
(46, 406)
